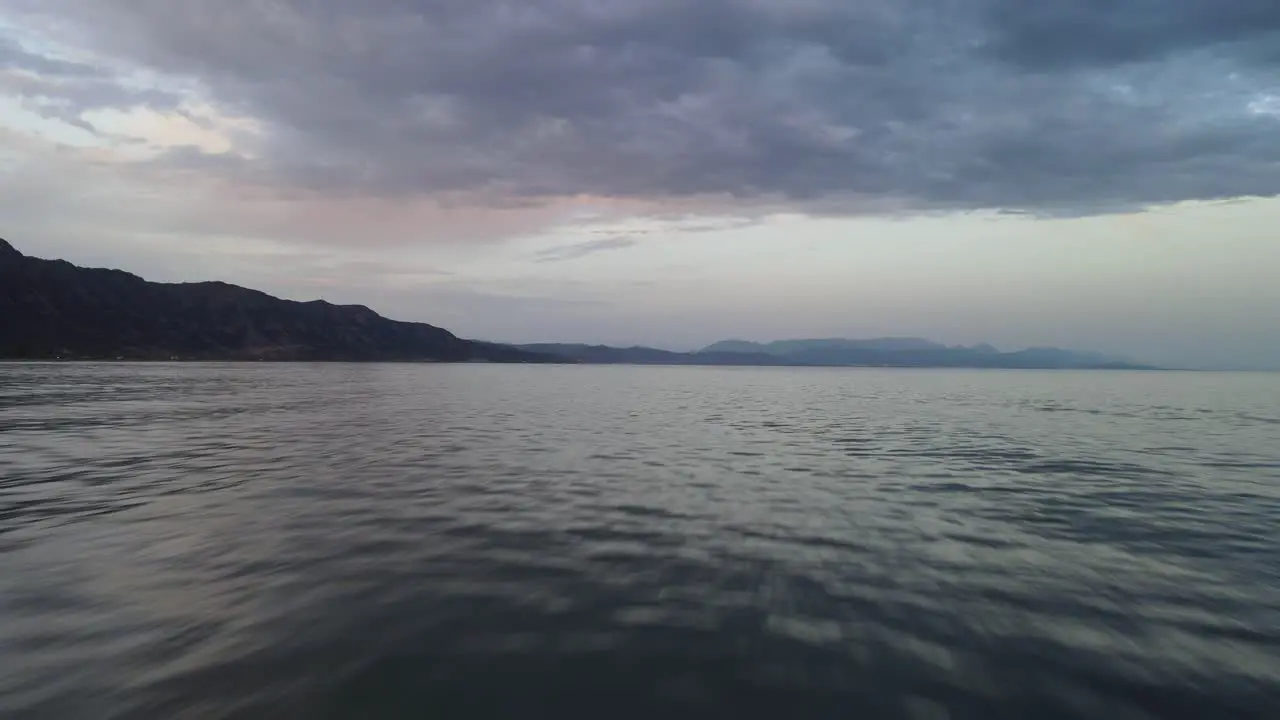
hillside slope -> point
(51, 308)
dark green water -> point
(400, 541)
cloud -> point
(820, 106)
(1100, 33)
(13, 56)
(67, 90)
(573, 252)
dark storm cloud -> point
(1106, 32)
(1045, 106)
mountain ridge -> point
(913, 351)
(939, 356)
(783, 347)
(53, 309)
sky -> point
(1089, 174)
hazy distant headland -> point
(51, 309)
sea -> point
(195, 541)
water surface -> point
(411, 541)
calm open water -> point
(425, 541)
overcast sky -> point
(1093, 174)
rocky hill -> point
(53, 309)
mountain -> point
(51, 308)
(823, 345)
(917, 352)
(637, 355)
(835, 355)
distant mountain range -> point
(53, 309)
(637, 355)
(917, 352)
(840, 352)
(792, 347)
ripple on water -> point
(381, 541)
